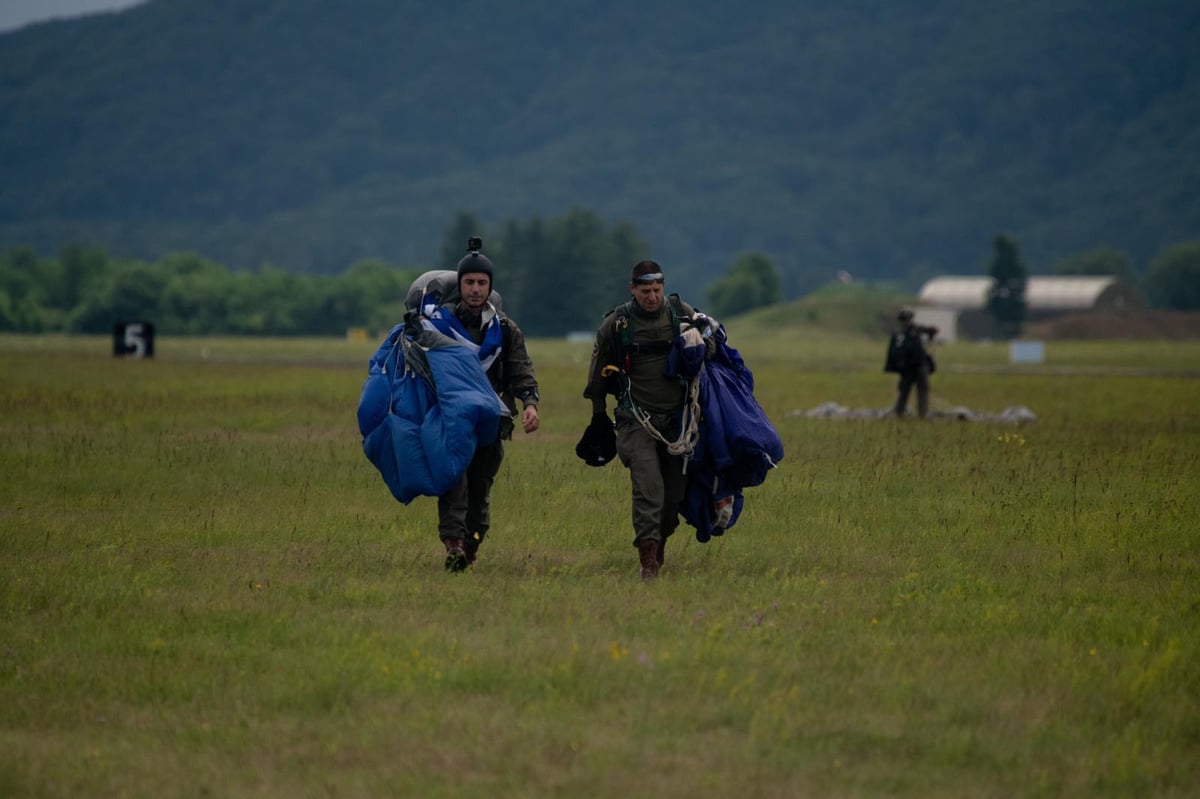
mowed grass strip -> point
(205, 589)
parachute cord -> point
(689, 433)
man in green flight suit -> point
(628, 361)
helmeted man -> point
(464, 516)
(629, 360)
(908, 357)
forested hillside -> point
(887, 139)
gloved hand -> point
(722, 513)
(598, 445)
(691, 336)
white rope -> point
(689, 433)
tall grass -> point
(205, 589)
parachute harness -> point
(689, 433)
(689, 424)
(689, 427)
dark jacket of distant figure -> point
(906, 352)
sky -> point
(18, 13)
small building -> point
(965, 298)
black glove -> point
(598, 445)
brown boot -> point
(648, 555)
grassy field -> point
(206, 590)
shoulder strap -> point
(623, 329)
(505, 349)
(678, 317)
(622, 334)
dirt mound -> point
(1168, 325)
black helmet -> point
(474, 261)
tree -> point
(752, 282)
(563, 274)
(19, 307)
(1100, 261)
(18, 273)
(524, 256)
(132, 291)
(1006, 297)
(71, 278)
(382, 289)
(586, 259)
(1173, 278)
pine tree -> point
(1006, 297)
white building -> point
(958, 304)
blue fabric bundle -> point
(444, 321)
(737, 446)
(426, 406)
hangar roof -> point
(1059, 293)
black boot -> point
(456, 556)
(648, 555)
(471, 547)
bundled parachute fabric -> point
(444, 321)
(737, 445)
(426, 406)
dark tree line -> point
(85, 291)
(554, 275)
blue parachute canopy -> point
(737, 445)
(426, 406)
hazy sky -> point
(17, 13)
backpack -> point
(905, 353)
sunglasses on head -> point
(653, 277)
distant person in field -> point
(628, 362)
(908, 357)
(464, 516)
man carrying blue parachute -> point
(440, 398)
(687, 425)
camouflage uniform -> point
(657, 477)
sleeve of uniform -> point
(522, 383)
(596, 390)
